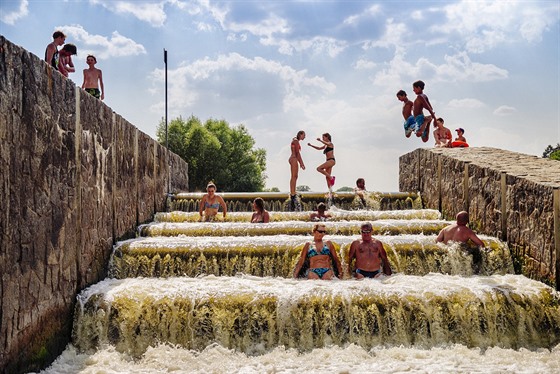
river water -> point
(187, 297)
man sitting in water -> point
(360, 190)
(321, 214)
(369, 254)
(459, 232)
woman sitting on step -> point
(261, 214)
(318, 258)
(210, 204)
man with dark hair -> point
(459, 232)
(420, 103)
(51, 52)
(65, 64)
(409, 123)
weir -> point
(196, 286)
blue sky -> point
(490, 67)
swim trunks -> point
(409, 126)
(94, 92)
(368, 274)
(419, 119)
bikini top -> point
(213, 206)
(311, 252)
(328, 149)
(296, 145)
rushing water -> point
(189, 297)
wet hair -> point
(259, 202)
(440, 120)
(92, 56)
(366, 225)
(322, 207)
(70, 48)
(360, 180)
(211, 185)
(328, 136)
(58, 34)
(418, 84)
(317, 225)
(401, 93)
(462, 218)
(300, 132)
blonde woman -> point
(320, 256)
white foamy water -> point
(405, 285)
(290, 227)
(352, 359)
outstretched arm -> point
(317, 147)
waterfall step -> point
(380, 227)
(255, 315)
(277, 255)
(336, 215)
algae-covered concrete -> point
(510, 195)
(74, 178)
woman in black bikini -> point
(260, 215)
(326, 167)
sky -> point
(279, 66)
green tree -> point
(216, 152)
(345, 189)
(303, 188)
(552, 152)
(271, 189)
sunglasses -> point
(321, 231)
(366, 231)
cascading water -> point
(218, 297)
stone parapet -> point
(75, 177)
(510, 195)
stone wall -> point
(509, 195)
(74, 178)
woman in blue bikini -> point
(210, 204)
(323, 262)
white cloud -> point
(10, 18)
(363, 64)
(459, 67)
(392, 36)
(150, 12)
(505, 110)
(465, 104)
(101, 46)
(364, 16)
(485, 24)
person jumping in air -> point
(409, 123)
(420, 103)
(326, 167)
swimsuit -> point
(54, 59)
(419, 121)
(213, 206)
(368, 274)
(311, 252)
(320, 271)
(94, 92)
(409, 125)
(328, 149)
